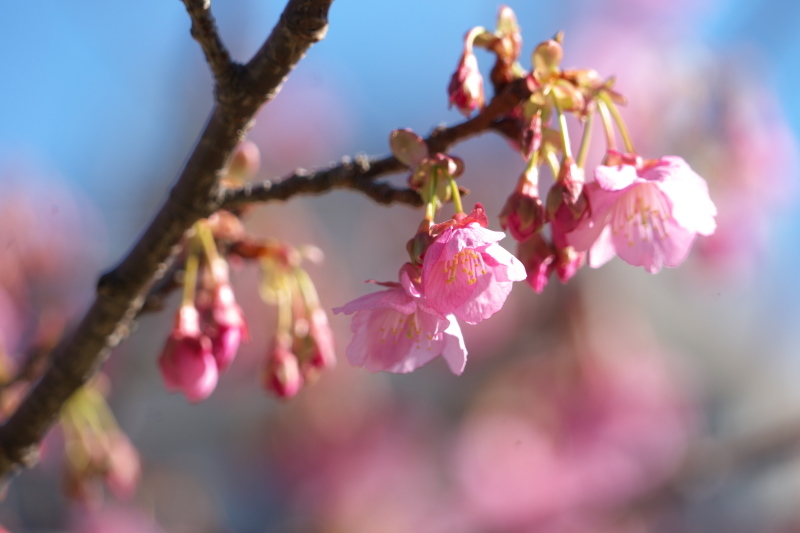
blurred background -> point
(619, 402)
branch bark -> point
(359, 174)
(121, 292)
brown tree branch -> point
(204, 31)
(359, 174)
(122, 291)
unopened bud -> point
(245, 163)
(547, 57)
(466, 86)
(281, 375)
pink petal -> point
(615, 178)
(692, 207)
(489, 297)
(455, 351)
(654, 253)
(440, 293)
(396, 298)
(505, 266)
(603, 249)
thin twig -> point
(359, 174)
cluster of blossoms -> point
(647, 212)
(210, 325)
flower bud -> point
(538, 257)
(523, 214)
(187, 363)
(546, 58)
(227, 328)
(466, 86)
(281, 375)
(245, 163)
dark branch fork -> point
(241, 90)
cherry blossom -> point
(396, 331)
(465, 272)
(646, 212)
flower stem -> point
(471, 36)
(456, 195)
(207, 239)
(562, 122)
(284, 325)
(583, 150)
(608, 127)
(307, 289)
(623, 130)
(190, 276)
(555, 165)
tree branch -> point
(359, 174)
(121, 292)
(204, 31)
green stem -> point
(562, 122)
(555, 165)
(608, 127)
(307, 288)
(583, 151)
(284, 325)
(623, 130)
(470, 38)
(456, 195)
(190, 276)
(207, 239)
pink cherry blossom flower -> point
(465, 272)
(187, 363)
(647, 213)
(395, 331)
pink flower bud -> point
(245, 163)
(466, 85)
(523, 214)
(538, 257)
(282, 376)
(123, 466)
(228, 327)
(187, 363)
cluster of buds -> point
(95, 447)
(209, 325)
(302, 346)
